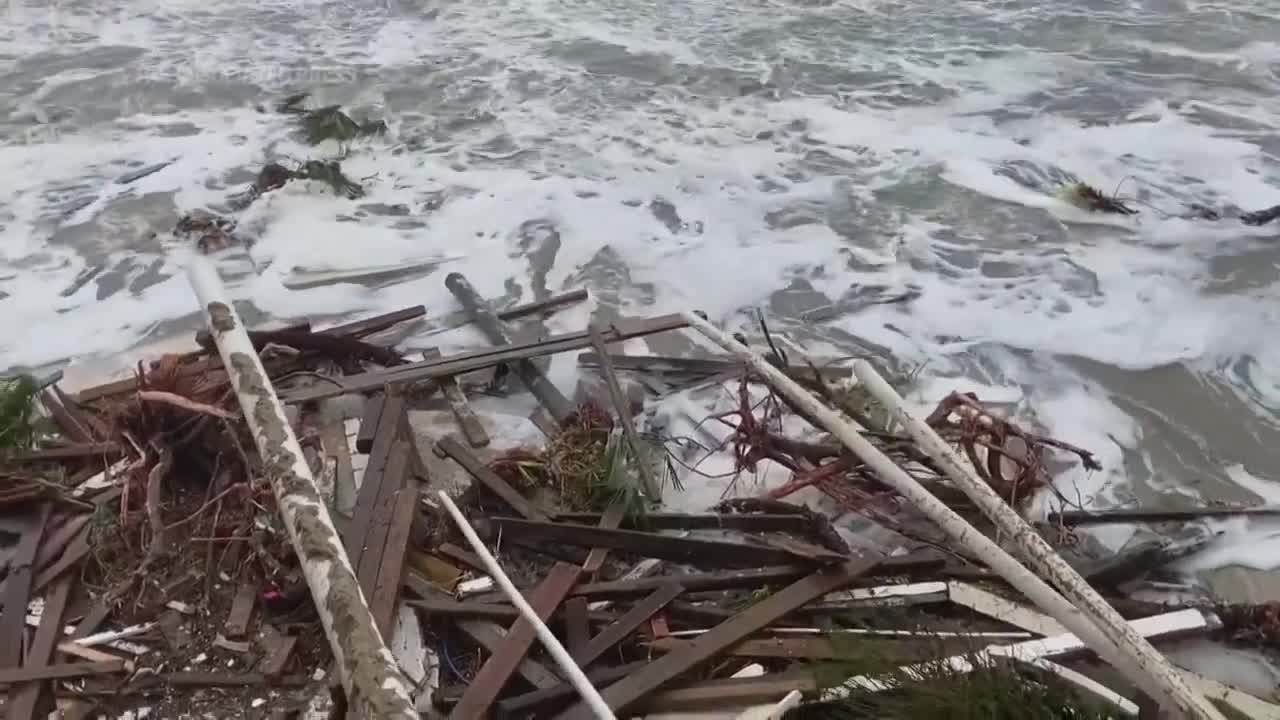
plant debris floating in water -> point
(1087, 197)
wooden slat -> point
(278, 647)
(333, 441)
(479, 360)
(241, 611)
(386, 589)
(694, 551)
(731, 692)
(17, 590)
(92, 620)
(369, 423)
(472, 429)
(808, 648)
(621, 406)
(753, 522)
(10, 676)
(490, 636)
(610, 520)
(694, 582)
(464, 556)
(69, 418)
(490, 479)
(75, 552)
(56, 540)
(577, 628)
(67, 452)
(23, 699)
(377, 323)
(497, 670)
(375, 540)
(371, 485)
(618, 631)
(631, 689)
(518, 707)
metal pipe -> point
(960, 531)
(373, 683)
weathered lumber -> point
(698, 366)
(56, 540)
(369, 423)
(377, 323)
(241, 611)
(468, 422)
(695, 551)
(517, 707)
(497, 670)
(478, 360)
(694, 582)
(491, 480)
(23, 700)
(17, 589)
(621, 406)
(493, 328)
(79, 450)
(34, 673)
(610, 520)
(618, 630)
(491, 636)
(386, 590)
(277, 649)
(577, 626)
(386, 434)
(462, 555)
(1102, 517)
(714, 694)
(462, 318)
(761, 522)
(375, 540)
(625, 693)
(793, 648)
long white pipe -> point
(1037, 552)
(573, 673)
(373, 683)
(1131, 661)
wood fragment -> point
(241, 611)
(494, 328)
(18, 589)
(625, 693)
(277, 648)
(11, 676)
(757, 522)
(490, 479)
(333, 441)
(493, 675)
(621, 406)
(389, 422)
(386, 590)
(695, 551)
(178, 401)
(375, 541)
(610, 520)
(694, 582)
(518, 707)
(478, 360)
(472, 429)
(618, 631)
(791, 648)
(577, 627)
(57, 540)
(68, 452)
(490, 636)
(369, 423)
(68, 417)
(731, 692)
(92, 620)
(462, 555)
(22, 700)
(1102, 517)
(377, 323)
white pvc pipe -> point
(1154, 667)
(573, 673)
(370, 677)
(1132, 661)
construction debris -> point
(164, 554)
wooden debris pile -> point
(149, 567)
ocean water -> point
(672, 154)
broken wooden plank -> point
(792, 648)
(377, 323)
(369, 423)
(66, 452)
(758, 522)
(729, 692)
(18, 589)
(11, 676)
(618, 631)
(478, 360)
(577, 627)
(694, 582)
(490, 636)
(703, 366)
(1006, 611)
(472, 429)
(367, 499)
(241, 611)
(24, 698)
(462, 555)
(694, 551)
(548, 395)
(493, 675)
(1153, 515)
(639, 456)
(92, 620)
(625, 693)
(611, 519)
(490, 479)
(518, 707)
(375, 541)
(56, 540)
(333, 442)
(386, 589)
(277, 648)
(69, 418)
(460, 318)
(76, 551)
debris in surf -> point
(330, 123)
(211, 233)
(1261, 217)
(1087, 197)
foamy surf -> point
(669, 155)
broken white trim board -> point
(1166, 624)
(1006, 611)
(1087, 684)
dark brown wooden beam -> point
(468, 422)
(24, 699)
(628, 691)
(518, 707)
(621, 628)
(490, 636)
(377, 323)
(478, 360)
(11, 676)
(17, 589)
(694, 551)
(497, 670)
(386, 590)
(369, 423)
(490, 479)
(707, 521)
(375, 540)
